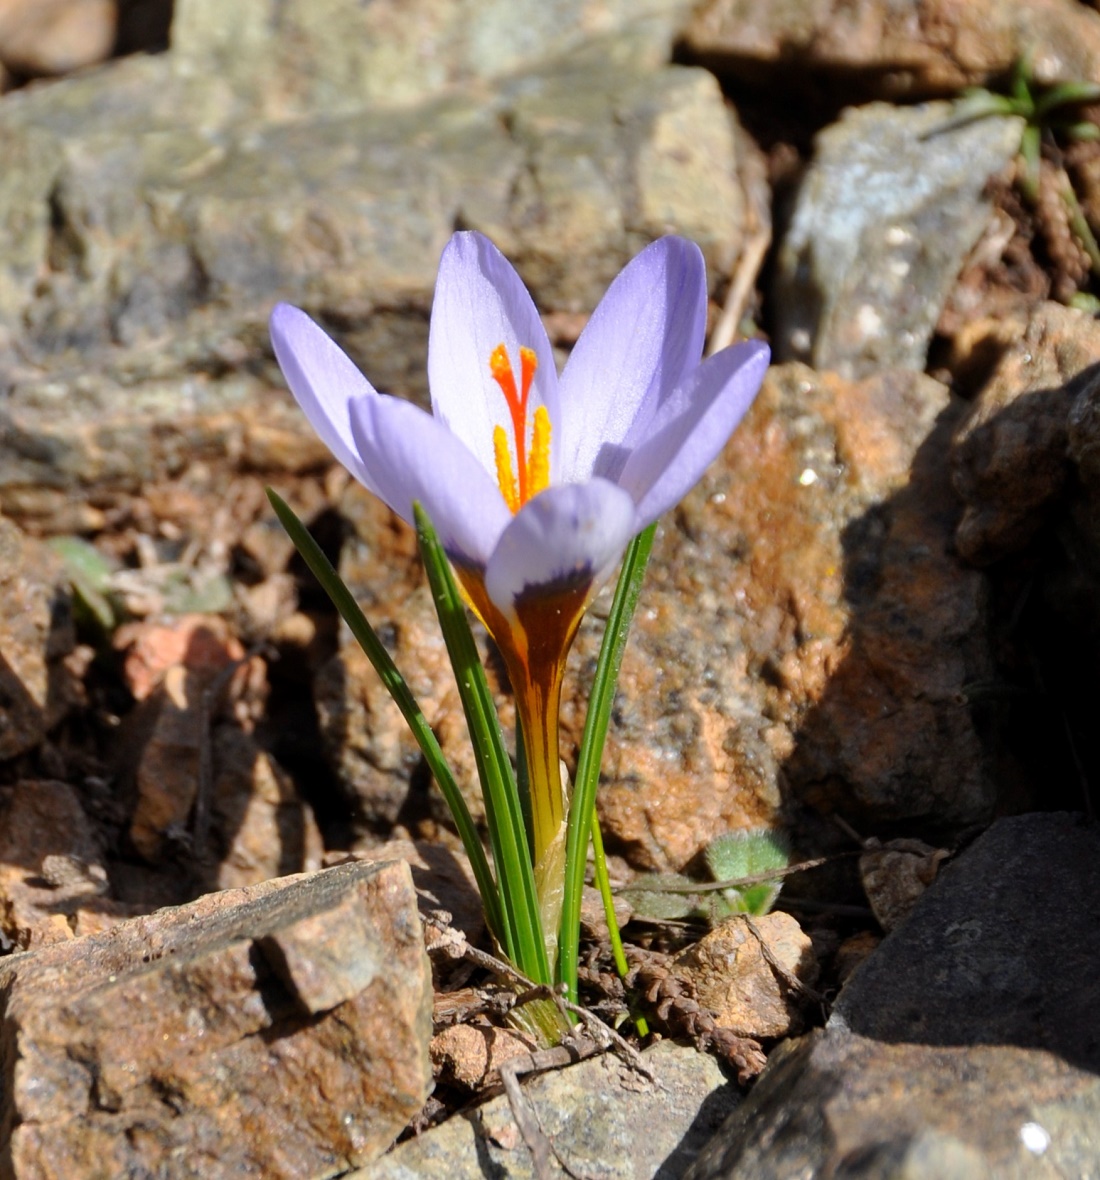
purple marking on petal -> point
(324, 383)
(412, 456)
(566, 532)
(692, 427)
(481, 302)
(643, 339)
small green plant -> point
(736, 861)
(1052, 117)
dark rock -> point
(965, 1045)
(1001, 950)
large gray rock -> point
(291, 57)
(150, 216)
(884, 219)
(966, 1045)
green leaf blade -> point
(524, 942)
(582, 809)
(399, 690)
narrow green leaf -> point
(1066, 94)
(524, 941)
(1030, 152)
(349, 610)
(596, 720)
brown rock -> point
(36, 633)
(895, 874)
(199, 643)
(1009, 460)
(55, 36)
(263, 827)
(170, 763)
(443, 878)
(371, 746)
(468, 1055)
(50, 863)
(916, 47)
(200, 776)
(829, 632)
(199, 1041)
(732, 975)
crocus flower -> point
(535, 483)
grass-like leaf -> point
(402, 695)
(523, 935)
(596, 720)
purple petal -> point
(412, 456)
(692, 427)
(643, 339)
(568, 534)
(481, 302)
(324, 383)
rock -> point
(368, 743)
(443, 878)
(262, 828)
(172, 757)
(603, 1119)
(150, 230)
(895, 48)
(44, 831)
(296, 57)
(829, 634)
(288, 1023)
(200, 776)
(963, 1046)
(672, 141)
(198, 643)
(36, 634)
(881, 227)
(470, 1055)
(55, 36)
(895, 875)
(731, 974)
(1010, 460)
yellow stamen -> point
(538, 466)
(531, 473)
(505, 476)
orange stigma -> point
(531, 473)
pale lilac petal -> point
(567, 535)
(324, 382)
(643, 339)
(411, 456)
(692, 427)
(481, 302)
